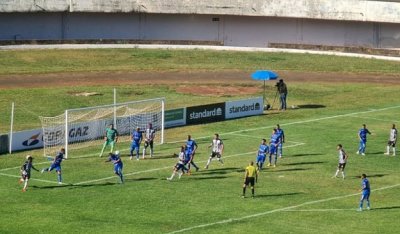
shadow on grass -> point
(376, 153)
(372, 175)
(302, 155)
(303, 163)
(291, 169)
(220, 171)
(73, 186)
(387, 208)
(311, 106)
(126, 157)
(210, 178)
(277, 195)
(141, 179)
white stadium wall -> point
(228, 30)
(227, 22)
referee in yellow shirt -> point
(250, 178)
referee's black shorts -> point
(249, 180)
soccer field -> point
(298, 196)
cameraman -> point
(282, 89)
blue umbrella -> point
(264, 75)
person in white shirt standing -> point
(217, 150)
(149, 136)
(342, 160)
(392, 141)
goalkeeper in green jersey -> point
(110, 138)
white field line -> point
(169, 167)
(47, 181)
(48, 162)
(386, 120)
(230, 220)
(314, 120)
(298, 122)
(318, 210)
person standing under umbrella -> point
(282, 90)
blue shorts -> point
(118, 167)
(135, 145)
(55, 166)
(260, 158)
(272, 149)
(365, 195)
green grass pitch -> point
(298, 196)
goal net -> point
(85, 127)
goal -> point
(85, 127)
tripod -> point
(276, 95)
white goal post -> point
(85, 127)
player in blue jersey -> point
(136, 141)
(273, 147)
(118, 165)
(281, 134)
(362, 135)
(180, 165)
(365, 192)
(191, 147)
(262, 154)
(26, 172)
(56, 164)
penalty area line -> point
(318, 210)
(378, 119)
(46, 181)
(289, 208)
(138, 172)
(168, 167)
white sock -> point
(172, 176)
(387, 149)
(26, 184)
(343, 174)
(144, 152)
(151, 152)
(208, 162)
(337, 172)
(394, 151)
(180, 174)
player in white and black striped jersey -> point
(392, 141)
(342, 160)
(149, 136)
(217, 150)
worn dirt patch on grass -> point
(216, 90)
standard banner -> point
(242, 108)
(205, 113)
(175, 117)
